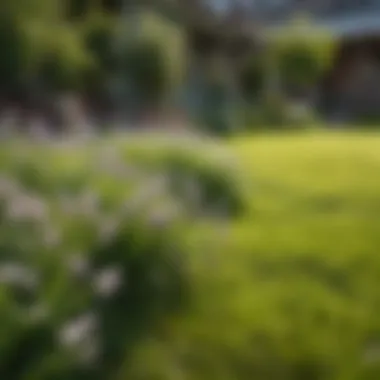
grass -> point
(292, 289)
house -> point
(352, 88)
(219, 38)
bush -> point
(145, 65)
(302, 54)
(99, 33)
(252, 77)
(39, 47)
(85, 269)
(154, 57)
(276, 113)
(16, 55)
(92, 256)
(208, 180)
(272, 112)
(64, 60)
(197, 171)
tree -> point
(301, 52)
(153, 56)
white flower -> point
(7, 187)
(147, 192)
(108, 227)
(16, 274)
(78, 265)
(78, 330)
(111, 162)
(371, 353)
(108, 281)
(67, 204)
(84, 204)
(21, 207)
(52, 236)
(89, 201)
(164, 214)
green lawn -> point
(292, 290)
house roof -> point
(350, 25)
(353, 25)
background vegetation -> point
(145, 258)
(139, 60)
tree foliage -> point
(154, 56)
(301, 52)
(43, 45)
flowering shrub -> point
(199, 172)
(91, 256)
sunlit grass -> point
(292, 289)
(338, 165)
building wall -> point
(353, 88)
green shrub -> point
(83, 273)
(15, 56)
(145, 65)
(302, 53)
(252, 77)
(200, 173)
(276, 113)
(217, 113)
(92, 252)
(39, 47)
(79, 284)
(197, 171)
(99, 33)
(64, 59)
(268, 113)
(154, 56)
